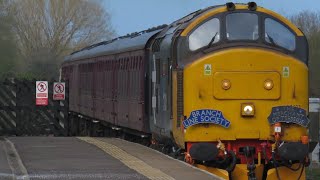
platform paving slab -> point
(81, 158)
(68, 158)
(172, 167)
(5, 170)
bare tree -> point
(309, 23)
(60, 25)
(8, 48)
(57, 27)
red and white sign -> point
(42, 93)
(59, 91)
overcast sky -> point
(135, 15)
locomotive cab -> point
(240, 96)
(241, 28)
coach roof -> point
(134, 41)
(130, 42)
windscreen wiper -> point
(271, 40)
(212, 40)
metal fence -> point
(20, 116)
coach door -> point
(155, 90)
(116, 65)
(160, 98)
(109, 90)
(161, 85)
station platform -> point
(88, 158)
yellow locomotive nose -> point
(244, 92)
(244, 84)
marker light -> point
(252, 6)
(247, 109)
(226, 84)
(268, 84)
(230, 6)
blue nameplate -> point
(206, 116)
(289, 114)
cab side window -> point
(204, 34)
(277, 34)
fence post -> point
(314, 128)
(66, 108)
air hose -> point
(233, 163)
(275, 165)
(301, 172)
(286, 165)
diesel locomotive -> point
(227, 84)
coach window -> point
(140, 65)
(242, 26)
(127, 64)
(204, 34)
(136, 63)
(277, 34)
(131, 64)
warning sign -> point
(42, 93)
(286, 72)
(59, 91)
(207, 69)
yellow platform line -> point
(127, 159)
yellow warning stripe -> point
(127, 159)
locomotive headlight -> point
(247, 109)
(268, 84)
(226, 84)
